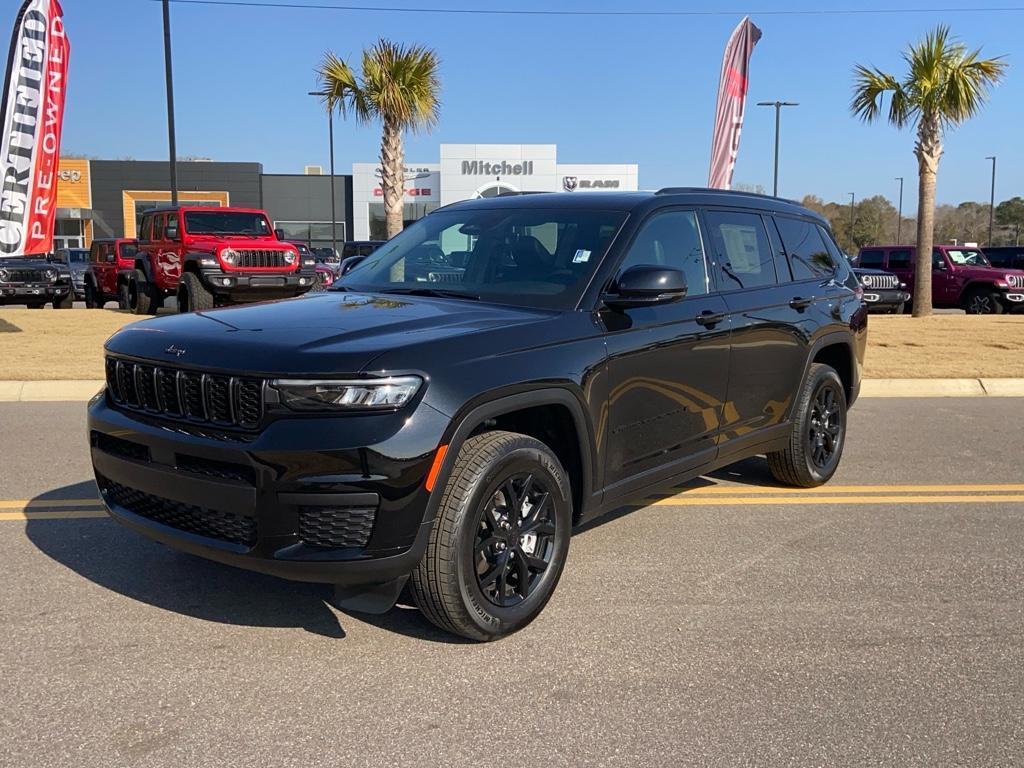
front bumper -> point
(329, 499)
(884, 299)
(31, 292)
(257, 284)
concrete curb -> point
(82, 390)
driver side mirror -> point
(939, 265)
(646, 285)
(171, 233)
(279, 233)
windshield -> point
(226, 223)
(967, 257)
(535, 258)
(77, 256)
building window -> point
(315, 234)
(410, 212)
(141, 206)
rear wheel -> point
(193, 295)
(983, 301)
(819, 432)
(500, 538)
(36, 305)
(142, 294)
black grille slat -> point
(145, 387)
(222, 470)
(27, 276)
(221, 401)
(192, 395)
(249, 403)
(126, 382)
(117, 446)
(211, 523)
(167, 387)
(218, 399)
(336, 527)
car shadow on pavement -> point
(116, 558)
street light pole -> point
(170, 104)
(992, 201)
(778, 109)
(899, 216)
(330, 141)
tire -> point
(141, 294)
(983, 301)
(36, 305)
(92, 300)
(813, 453)
(66, 303)
(123, 296)
(455, 585)
(193, 295)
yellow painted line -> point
(739, 490)
(47, 503)
(56, 514)
(724, 501)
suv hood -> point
(324, 334)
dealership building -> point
(103, 198)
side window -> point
(95, 253)
(671, 239)
(938, 260)
(172, 221)
(144, 227)
(808, 256)
(899, 259)
(744, 253)
(158, 227)
(871, 259)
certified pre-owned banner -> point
(33, 110)
(732, 98)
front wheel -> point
(193, 295)
(92, 300)
(500, 538)
(67, 302)
(141, 294)
(983, 302)
(819, 432)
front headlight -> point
(290, 256)
(229, 256)
(365, 394)
(865, 280)
(50, 274)
(4, 275)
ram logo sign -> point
(572, 183)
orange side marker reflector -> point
(435, 468)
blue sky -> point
(603, 89)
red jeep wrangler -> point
(208, 257)
(111, 262)
(961, 277)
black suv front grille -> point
(226, 401)
(336, 527)
(211, 523)
(27, 275)
(249, 258)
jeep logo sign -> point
(572, 183)
(71, 176)
(504, 168)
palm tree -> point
(945, 85)
(399, 86)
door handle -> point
(799, 302)
(708, 318)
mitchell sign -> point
(504, 168)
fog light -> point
(225, 281)
(303, 280)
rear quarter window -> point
(871, 259)
(899, 258)
(809, 257)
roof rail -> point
(737, 192)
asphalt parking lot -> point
(876, 621)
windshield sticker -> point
(582, 256)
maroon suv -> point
(961, 277)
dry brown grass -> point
(51, 344)
(950, 346)
(69, 345)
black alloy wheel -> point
(515, 540)
(825, 432)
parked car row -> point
(962, 276)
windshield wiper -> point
(441, 293)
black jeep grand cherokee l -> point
(452, 432)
